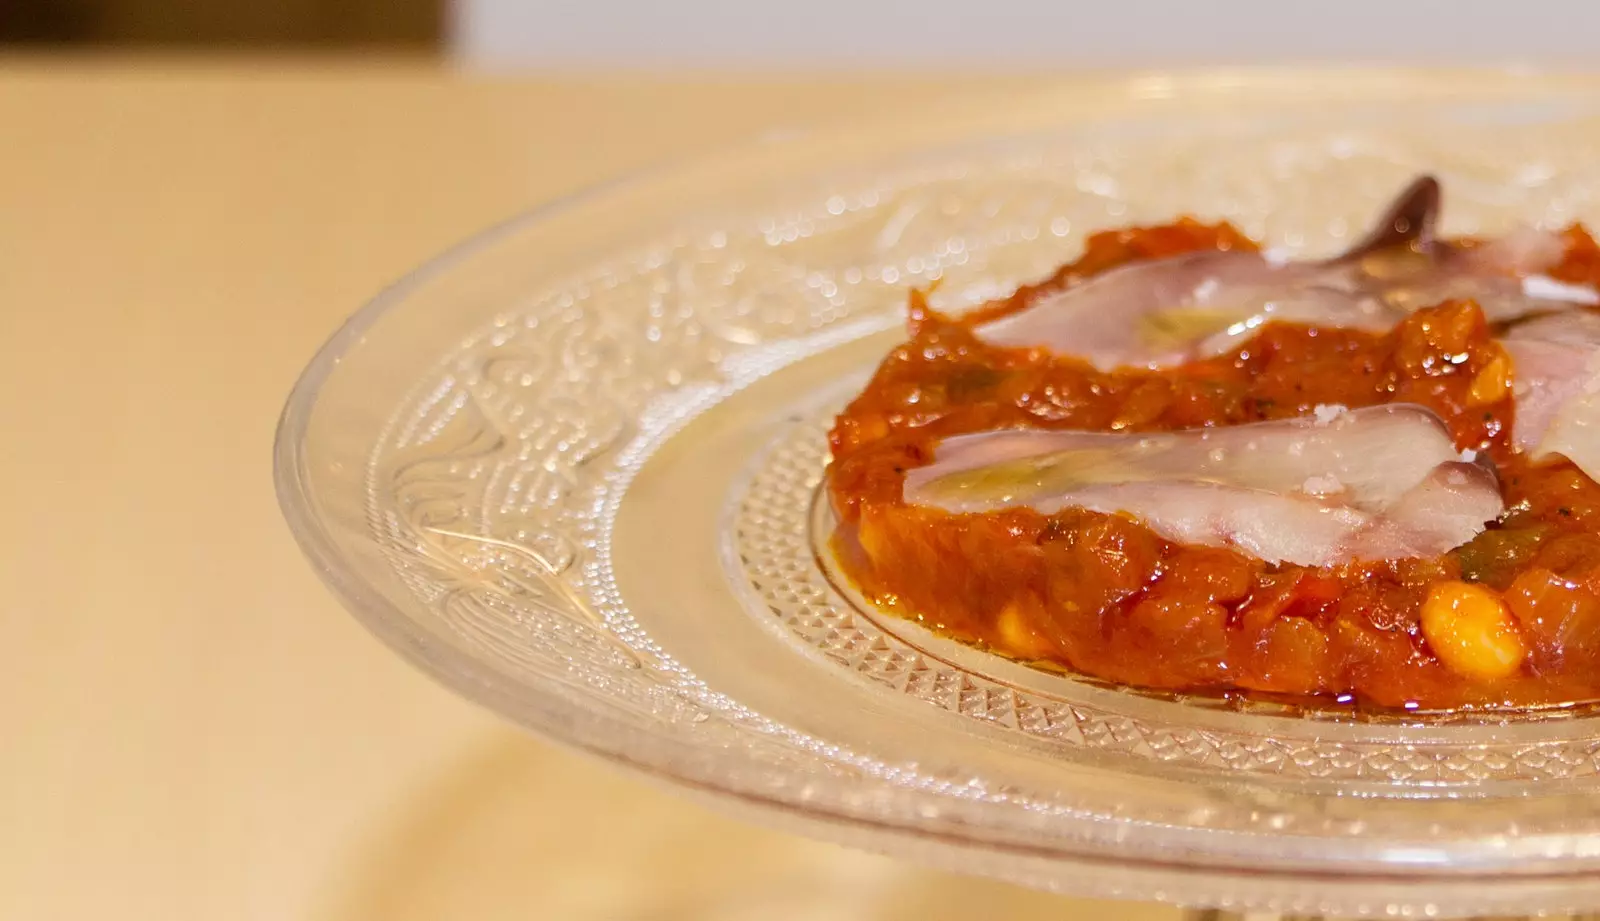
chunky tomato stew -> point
(1311, 568)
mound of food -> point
(1184, 463)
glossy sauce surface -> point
(1104, 596)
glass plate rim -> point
(452, 668)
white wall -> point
(1022, 33)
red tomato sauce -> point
(1103, 596)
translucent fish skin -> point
(1120, 318)
(1384, 482)
(1556, 364)
(1164, 312)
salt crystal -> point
(1322, 485)
(1327, 412)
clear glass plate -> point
(569, 469)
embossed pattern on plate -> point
(778, 536)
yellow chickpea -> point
(1021, 640)
(1471, 631)
(1492, 384)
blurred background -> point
(870, 34)
(224, 25)
(193, 194)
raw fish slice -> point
(1380, 482)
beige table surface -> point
(191, 728)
